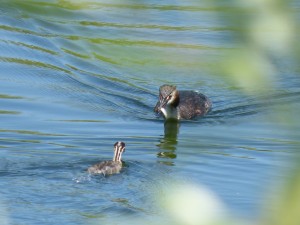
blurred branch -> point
(264, 30)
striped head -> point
(119, 148)
(168, 101)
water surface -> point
(78, 76)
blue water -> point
(75, 77)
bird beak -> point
(159, 106)
(163, 102)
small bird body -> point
(106, 168)
(111, 166)
(174, 104)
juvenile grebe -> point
(181, 104)
(111, 166)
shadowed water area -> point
(75, 77)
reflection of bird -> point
(111, 166)
(181, 104)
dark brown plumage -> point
(181, 104)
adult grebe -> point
(176, 104)
(111, 166)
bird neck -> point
(174, 101)
(117, 155)
(170, 112)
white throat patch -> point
(170, 112)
